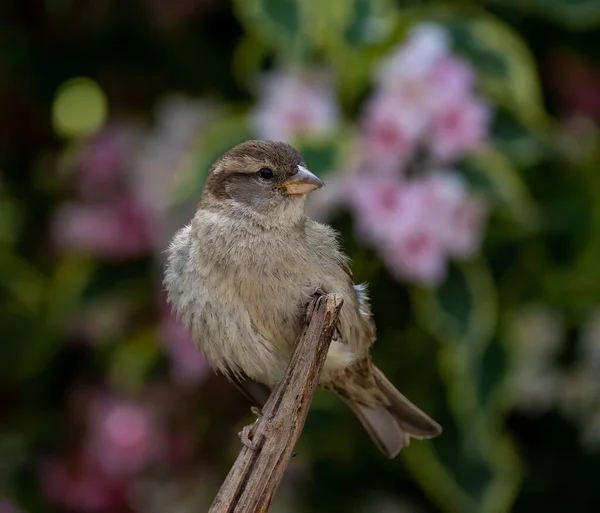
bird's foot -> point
(246, 435)
(247, 432)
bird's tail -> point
(391, 427)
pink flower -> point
(410, 102)
(102, 161)
(189, 367)
(426, 44)
(465, 227)
(377, 203)
(452, 79)
(457, 215)
(79, 486)
(123, 436)
(425, 96)
(418, 223)
(400, 219)
(114, 230)
(414, 250)
(294, 103)
(407, 78)
(459, 127)
(386, 141)
(417, 256)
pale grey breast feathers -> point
(242, 296)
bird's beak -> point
(302, 182)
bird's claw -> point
(246, 434)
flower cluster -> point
(126, 437)
(416, 224)
(123, 183)
(108, 219)
(294, 103)
(422, 117)
(123, 437)
(122, 177)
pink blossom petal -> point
(123, 437)
(116, 230)
(102, 161)
(399, 220)
(387, 142)
(417, 256)
(465, 227)
(460, 127)
(425, 45)
(452, 79)
(294, 103)
(376, 202)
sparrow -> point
(239, 276)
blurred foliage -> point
(69, 69)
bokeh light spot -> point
(80, 107)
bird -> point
(240, 275)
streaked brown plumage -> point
(241, 273)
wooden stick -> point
(256, 474)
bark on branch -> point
(255, 476)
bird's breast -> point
(270, 277)
(276, 299)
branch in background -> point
(255, 476)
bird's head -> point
(266, 178)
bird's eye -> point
(266, 173)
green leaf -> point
(462, 308)
(11, 220)
(492, 174)
(249, 58)
(506, 68)
(459, 479)
(321, 155)
(353, 40)
(521, 146)
(437, 479)
(225, 133)
(479, 471)
(22, 281)
(61, 299)
(353, 23)
(132, 361)
(350, 34)
(276, 23)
